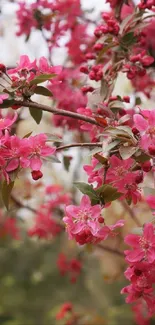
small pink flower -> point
(44, 67)
(143, 246)
(145, 123)
(85, 223)
(7, 122)
(34, 149)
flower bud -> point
(36, 174)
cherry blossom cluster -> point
(46, 223)
(67, 313)
(71, 267)
(8, 227)
(22, 82)
(86, 224)
(140, 273)
(18, 153)
(71, 98)
(54, 20)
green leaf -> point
(127, 152)
(42, 78)
(6, 192)
(40, 90)
(128, 39)
(7, 103)
(116, 105)
(108, 193)
(36, 114)
(97, 167)
(27, 38)
(122, 132)
(104, 88)
(27, 135)
(67, 161)
(53, 159)
(87, 189)
(111, 145)
(141, 157)
(138, 101)
(94, 151)
(53, 137)
(101, 159)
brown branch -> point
(21, 205)
(110, 250)
(58, 111)
(73, 145)
(131, 212)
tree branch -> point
(131, 212)
(21, 205)
(110, 250)
(73, 145)
(58, 111)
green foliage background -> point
(32, 289)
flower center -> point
(144, 243)
(151, 131)
(120, 171)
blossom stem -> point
(55, 111)
(85, 144)
(21, 205)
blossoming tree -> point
(118, 131)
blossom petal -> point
(140, 123)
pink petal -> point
(135, 255)
(72, 211)
(13, 164)
(150, 199)
(151, 255)
(148, 231)
(132, 240)
(139, 122)
(35, 163)
(85, 202)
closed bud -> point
(152, 150)
(146, 166)
(2, 68)
(36, 174)
(101, 220)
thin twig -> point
(110, 250)
(73, 145)
(21, 205)
(131, 212)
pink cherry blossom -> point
(143, 246)
(95, 176)
(44, 227)
(83, 223)
(34, 148)
(7, 122)
(24, 64)
(145, 123)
